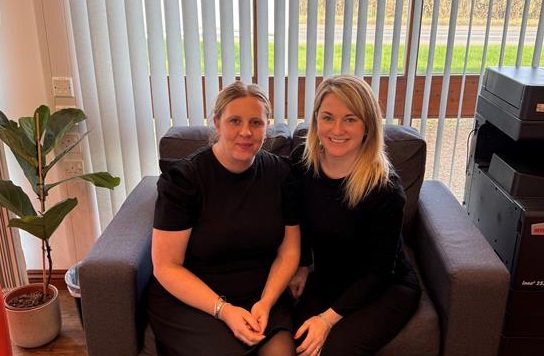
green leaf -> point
(15, 200)
(28, 124)
(43, 114)
(44, 226)
(31, 173)
(100, 179)
(29, 168)
(59, 124)
(17, 140)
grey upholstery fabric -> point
(407, 151)
(114, 275)
(278, 139)
(179, 142)
(465, 284)
(421, 336)
(458, 259)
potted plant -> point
(32, 141)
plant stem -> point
(43, 270)
(49, 262)
(46, 249)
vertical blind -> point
(146, 65)
(12, 262)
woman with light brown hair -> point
(361, 290)
(225, 240)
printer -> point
(504, 194)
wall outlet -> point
(68, 140)
(63, 87)
(72, 167)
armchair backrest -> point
(405, 146)
(181, 141)
(408, 152)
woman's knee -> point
(281, 343)
(347, 343)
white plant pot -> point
(33, 327)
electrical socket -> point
(72, 167)
(63, 87)
(68, 140)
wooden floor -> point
(70, 342)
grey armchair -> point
(465, 284)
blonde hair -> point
(237, 90)
(371, 167)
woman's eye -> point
(350, 119)
(257, 123)
(234, 121)
(326, 118)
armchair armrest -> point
(114, 276)
(466, 280)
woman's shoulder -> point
(390, 192)
(297, 162)
(394, 182)
(393, 190)
(185, 168)
(297, 153)
(393, 177)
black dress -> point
(238, 222)
(359, 268)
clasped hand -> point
(246, 326)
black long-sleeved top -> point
(356, 252)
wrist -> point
(266, 302)
(331, 316)
(324, 319)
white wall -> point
(34, 47)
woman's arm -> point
(282, 270)
(168, 255)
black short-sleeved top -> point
(356, 251)
(237, 220)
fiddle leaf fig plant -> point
(32, 141)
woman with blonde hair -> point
(361, 290)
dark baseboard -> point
(57, 277)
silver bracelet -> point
(220, 309)
(325, 320)
(219, 304)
